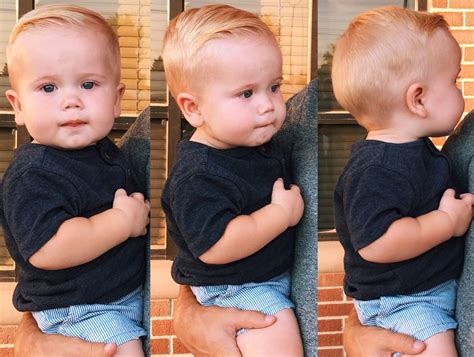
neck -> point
(391, 136)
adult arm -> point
(31, 342)
(211, 331)
(368, 341)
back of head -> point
(380, 54)
(187, 35)
(58, 15)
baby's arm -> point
(408, 237)
(80, 240)
(246, 234)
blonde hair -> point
(62, 15)
(382, 51)
(188, 33)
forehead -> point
(56, 35)
(69, 46)
(445, 48)
(242, 57)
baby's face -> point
(240, 98)
(444, 100)
(66, 90)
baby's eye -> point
(88, 85)
(247, 93)
(48, 88)
(274, 88)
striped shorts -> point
(420, 315)
(268, 297)
(117, 322)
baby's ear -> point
(415, 99)
(119, 91)
(14, 100)
(189, 105)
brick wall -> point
(460, 16)
(7, 337)
(163, 340)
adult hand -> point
(367, 341)
(210, 331)
(31, 342)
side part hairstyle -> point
(380, 54)
(59, 15)
(188, 33)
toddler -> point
(399, 222)
(66, 212)
(229, 202)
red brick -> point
(160, 346)
(332, 325)
(330, 339)
(469, 104)
(178, 347)
(337, 352)
(440, 3)
(160, 308)
(467, 71)
(468, 88)
(468, 54)
(453, 18)
(6, 352)
(439, 142)
(162, 327)
(461, 4)
(469, 18)
(465, 37)
(326, 310)
(7, 334)
(330, 279)
(332, 294)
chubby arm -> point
(211, 330)
(408, 237)
(246, 234)
(80, 240)
(363, 341)
(31, 342)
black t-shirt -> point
(209, 187)
(381, 183)
(41, 189)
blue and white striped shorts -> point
(268, 297)
(117, 322)
(420, 315)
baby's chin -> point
(264, 139)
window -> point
(337, 128)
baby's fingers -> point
(137, 195)
(468, 198)
(120, 192)
(449, 193)
(294, 188)
(278, 184)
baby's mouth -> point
(74, 123)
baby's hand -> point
(290, 200)
(459, 210)
(136, 210)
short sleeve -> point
(373, 200)
(36, 203)
(202, 206)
